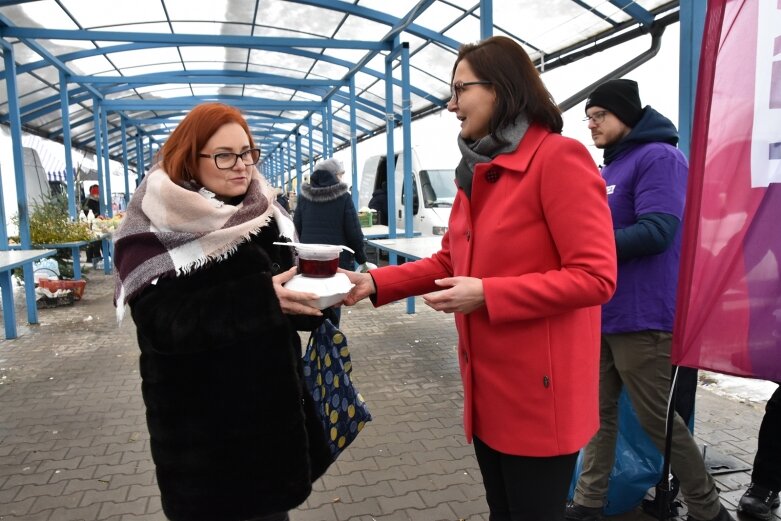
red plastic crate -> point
(77, 286)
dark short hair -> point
(516, 81)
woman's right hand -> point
(294, 302)
(364, 286)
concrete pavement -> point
(74, 445)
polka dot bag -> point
(327, 367)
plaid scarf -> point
(170, 230)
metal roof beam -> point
(635, 10)
(397, 27)
(595, 12)
(296, 52)
(44, 105)
(192, 101)
(347, 122)
(386, 19)
(221, 40)
(5, 25)
(200, 77)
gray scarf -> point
(485, 149)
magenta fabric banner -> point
(729, 294)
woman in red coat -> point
(528, 258)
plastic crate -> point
(366, 219)
(76, 286)
(55, 302)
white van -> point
(434, 190)
(36, 183)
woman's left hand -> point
(294, 302)
(463, 295)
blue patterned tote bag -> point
(327, 367)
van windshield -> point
(439, 187)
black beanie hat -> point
(621, 97)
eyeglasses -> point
(459, 86)
(227, 160)
(597, 117)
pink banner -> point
(729, 294)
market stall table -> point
(74, 247)
(9, 260)
(381, 231)
(410, 248)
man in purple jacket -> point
(645, 176)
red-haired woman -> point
(233, 434)
(527, 260)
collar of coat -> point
(520, 159)
(323, 194)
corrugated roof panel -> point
(548, 26)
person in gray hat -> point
(646, 177)
(325, 214)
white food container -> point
(331, 290)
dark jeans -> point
(522, 488)
(767, 461)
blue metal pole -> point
(390, 163)
(329, 110)
(324, 131)
(14, 119)
(288, 166)
(109, 211)
(486, 19)
(311, 147)
(67, 147)
(277, 166)
(298, 161)
(16, 146)
(98, 152)
(151, 152)
(124, 160)
(140, 166)
(406, 129)
(692, 26)
(354, 144)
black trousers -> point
(767, 461)
(522, 488)
(94, 251)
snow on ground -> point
(745, 389)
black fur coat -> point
(234, 434)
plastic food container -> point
(331, 290)
(317, 260)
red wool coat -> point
(538, 232)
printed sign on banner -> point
(728, 314)
(766, 135)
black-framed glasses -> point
(597, 117)
(459, 86)
(227, 160)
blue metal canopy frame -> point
(340, 73)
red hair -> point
(180, 151)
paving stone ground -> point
(74, 445)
